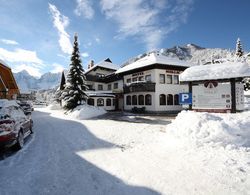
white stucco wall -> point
(160, 88)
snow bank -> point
(86, 112)
(54, 106)
(212, 129)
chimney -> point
(91, 64)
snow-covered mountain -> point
(190, 52)
(27, 82)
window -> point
(134, 79)
(109, 87)
(100, 87)
(128, 100)
(114, 102)
(169, 79)
(170, 99)
(115, 85)
(162, 98)
(100, 102)
(162, 78)
(108, 102)
(128, 80)
(140, 78)
(148, 77)
(90, 87)
(134, 100)
(176, 79)
(91, 102)
(148, 100)
(141, 100)
(176, 99)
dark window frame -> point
(141, 100)
(169, 76)
(162, 79)
(134, 100)
(170, 100)
(128, 100)
(100, 103)
(148, 99)
(108, 102)
(162, 100)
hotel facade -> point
(150, 84)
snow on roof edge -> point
(101, 64)
(224, 70)
(4, 63)
(151, 59)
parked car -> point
(27, 107)
(15, 126)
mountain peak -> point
(24, 72)
(192, 45)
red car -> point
(15, 126)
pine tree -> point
(239, 50)
(75, 87)
(58, 93)
(246, 83)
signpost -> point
(185, 98)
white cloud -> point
(9, 42)
(20, 55)
(29, 68)
(57, 68)
(144, 18)
(84, 8)
(87, 45)
(97, 39)
(85, 54)
(60, 23)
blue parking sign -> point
(185, 98)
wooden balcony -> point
(139, 87)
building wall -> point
(160, 88)
(165, 88)
(148, 107)
(112, 107)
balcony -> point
(139, 87)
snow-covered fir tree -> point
(75, 87)
(246, 83)
(59, 91)
(239, 51)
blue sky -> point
(37, 35)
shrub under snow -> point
(54, 106)
(86, 112)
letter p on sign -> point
(185, 98)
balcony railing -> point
(139, 87)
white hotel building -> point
(150, 84)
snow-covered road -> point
(49, 163)
(198, 153)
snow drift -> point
(213, 129)
(86, 112)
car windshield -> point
(13, 112)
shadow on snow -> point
(50, 165)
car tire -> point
(31, 129)
(20, 141)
